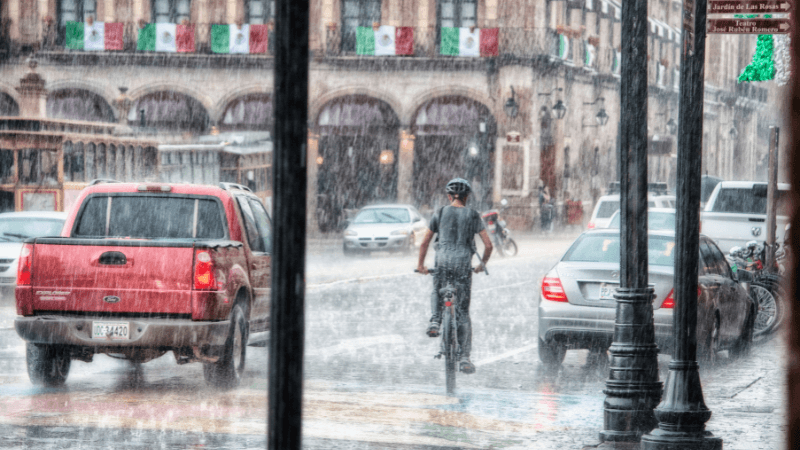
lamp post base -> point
(675, 440)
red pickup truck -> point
(143, 269)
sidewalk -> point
(747, 399)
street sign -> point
(748, 6)
(748, 26)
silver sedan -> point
(384, 228)
(577, 308)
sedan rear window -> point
(151, 217)
(383, 215)
(605, 248)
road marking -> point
(357, 343)
(504, 286)
(507, 354)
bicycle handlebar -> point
(433, 270)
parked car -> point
(657, 219)
(151, 268)
(736, 213)
(577, 308)
(384, 228)
(607, 205)
(15, 227)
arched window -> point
(169, 111)
(78, 104)
(252, 112)
(8, 107)
(73, 162)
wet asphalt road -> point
(371, 379)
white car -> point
(384, 228)
(15, 227)
(607, 205)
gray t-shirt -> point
(456, 229)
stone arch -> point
(216, 113)
(8, 105)
(319, 102)
(107, 93)
(204, 100)
(455, 136)
(454, 91)
(247, 112)
(169, 110)
(71, 103)
(358, 156)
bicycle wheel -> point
(450, 340)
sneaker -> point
(466, 366)
(433, 330)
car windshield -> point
(383, 215)
(655, 221)
(607, 209)
(605, 248)
(19, 229)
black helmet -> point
(458, 187)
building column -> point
(497, 191)
(405, 167)
(33, 95)
(312, 163)
(109, 14)
(14, 16)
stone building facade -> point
(393, 128)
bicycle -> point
(449, 347)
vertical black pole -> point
(682, 414)
(632, 389)
(772, 198)
(289, 241)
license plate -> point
(607, 291)
(113, 331)
(492, 227)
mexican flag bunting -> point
(97, 36)
(563, 47)
(239, 39)
(588, 54)
(469, 41)
(166, 37)
(385, 41)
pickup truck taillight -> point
(24, 267)
(204, 271)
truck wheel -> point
(48, 365)
(227, 371)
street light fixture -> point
(601, 117)
(733, 132)
(559, 109)
(511, 107)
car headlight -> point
(350, 233)
(399, 233)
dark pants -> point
(461, 279)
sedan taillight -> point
(553, 290)
(25, 265)
(669, 302)
(590, 225)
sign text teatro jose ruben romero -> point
(748, 26)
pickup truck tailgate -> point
(111, 276)
(730, 229)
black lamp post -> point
(511, 107)
(632, 388)
(601, 117)
(559, 109)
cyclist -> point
(455, 226)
